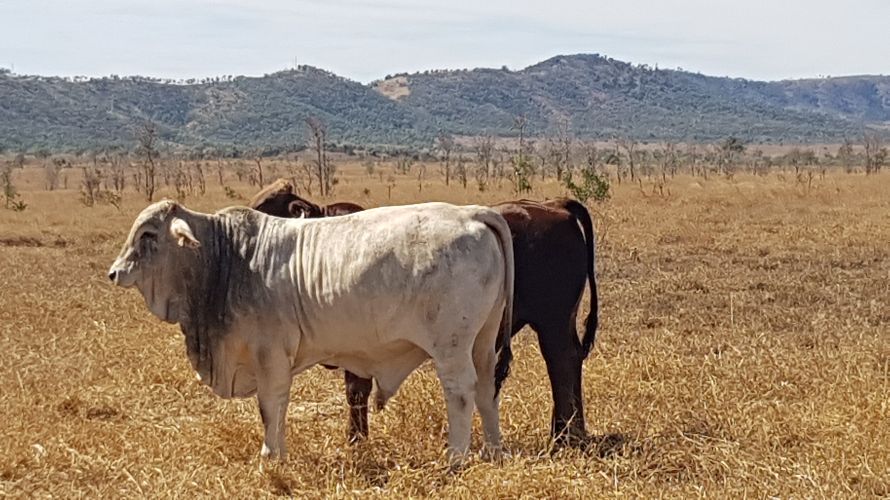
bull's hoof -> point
(269, 454)
(457, 459)
(571, 437)
(355, 437)
(494, 454)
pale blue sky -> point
(365, 40)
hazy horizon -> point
(198, 78)
(364, 41)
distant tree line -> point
(586, 169)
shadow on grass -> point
(607, 445)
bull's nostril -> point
(112, 275)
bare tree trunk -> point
(259, 170)
(147, 135)
(318, 132)
(630, 147)
(875, 154)
(446, 143)
(219, 171)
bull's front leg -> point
(273, 395)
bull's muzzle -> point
(121, 275)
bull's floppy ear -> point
(183, 233)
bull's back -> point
(396, 264)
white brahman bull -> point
(260, 299)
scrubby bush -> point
(592, 186)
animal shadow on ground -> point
(374, 463)
(607, 445)
(365, 465)
(603, 446)
(370, 466)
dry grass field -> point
(744, 351)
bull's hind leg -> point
(273, 395)
(458, 378)
(485, 359)
(562, 354)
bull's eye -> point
(147, 242)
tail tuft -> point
(502, 368)
(579, 211)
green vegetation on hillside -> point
(596, 97)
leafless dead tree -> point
(591, 156)
(404, 162)
(445, 144)
(199, 179)
(241, 171)
(667, 156)
(629, 146)
(523, 170)
(179, 176)
(484, 149)
(561, 150)
(875, 153)
(460, 170)
(117, 172)
(220, 177)
(421, 175)
(52, 171)
(91, 182)
(846, 156)
(258, 159)
(305, 176)
(324, 169)
(147, 136)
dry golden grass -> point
(744, 350)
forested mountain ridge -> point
(595, 96)
(601, 97)
(56, 113)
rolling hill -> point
(597, 96)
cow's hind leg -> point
(273, 394)
(458, 379)
(358, 390)
(562, 354)
(485, 359)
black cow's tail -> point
(497, 224)
(579, 211)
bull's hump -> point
(235, 211)
(245, 221)
(429, 208)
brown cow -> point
(279, 199)
(553, 246)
